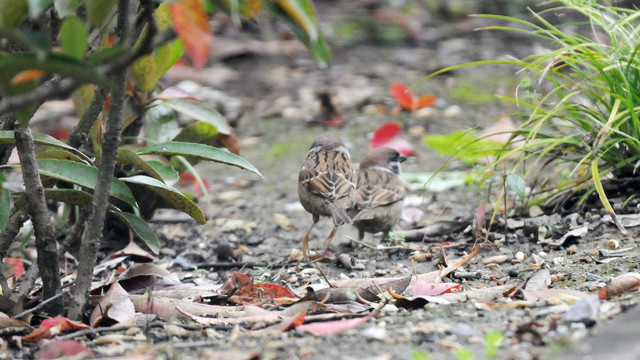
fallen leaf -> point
(115, 305)
(136, 253)
(53, 326)
(250, 314)
(62, 348)
(12, 267)
(165, 308)
(238, 280)
(258, 294)
(283, 326)
(407, 100)
(389, 134)
(336, 326)
(431, 289)
(621, 284)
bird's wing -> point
(378, 188)
(329, 175)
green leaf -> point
(168, 173)
(517, 184)
(5, 203)
(73, 37)
(60, 154)
(161, 123)
(53, 63)
(12, 12)
(301, 17)
(106, 53)
(198, 132)
(173, 196)
(82, 175)
(198, 111)
(128, 157)
(464, 145)
(140, 228)
(66, 7)
(37, 7)
(7, 137)
(98, 10)
(204, 152)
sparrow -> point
(379, 192)
(327, 184)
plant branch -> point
(37, 206)
(80, 132)
(92, 235)
(11, 229)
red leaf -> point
(12, 267)
(407, 100)
(61, 348)
(257, 294)
(53, 326)
(192, 26)
(403, 96)
(389, 135)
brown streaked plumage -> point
(327, 184)
(379, 192)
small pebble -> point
(513, 273)
(452, 111)
(572, 250)
(535, 211)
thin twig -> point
(374, 247)
(37, 307)
(153, 324)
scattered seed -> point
(614, 244)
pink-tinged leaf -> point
(165, 308)
(12, 267)
(53, 326)
(389, 134)
(114, 306)
(174, 92)
(423, 288)
(192, 26)
(62, 348)
(333, 327)
(257, 294)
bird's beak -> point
(402, 158)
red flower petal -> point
(407, 100)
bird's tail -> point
(364, 214)
(339, 215)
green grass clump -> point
(580, 102)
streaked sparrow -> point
(327, 184)
(379, 192)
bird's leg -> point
(355, 244)
(330, 237)
(384, 236)
(305, 243)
